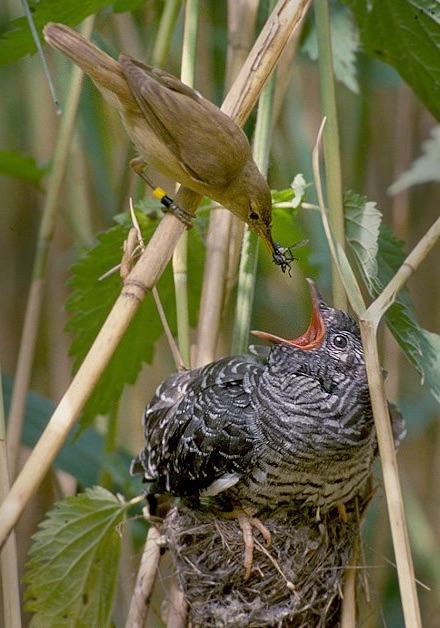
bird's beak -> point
(282, 256)
(315, 333)
(266, 236)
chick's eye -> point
(339, 341)
(253, 215)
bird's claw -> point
(342, 512)
(138, 165)
(180, 213)
(246, 524)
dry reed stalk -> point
(145, 274)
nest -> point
(297, 581)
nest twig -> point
(297, 581)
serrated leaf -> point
(345, 270)
(419, 346)
(16, 40)
(345, 44)
(21, 167)
(364, 219)
(73, 562)
(92, 300)
(425, 168)
(406, 35)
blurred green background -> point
(382, 128)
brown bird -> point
(179, 132)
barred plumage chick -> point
(292, 426)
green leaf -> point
(21, 167)
(430, 350)
(406, 35)
(82, 455)
(420, 347)
(92, 300)
(16, 41)
(73, 562)
(423, 169)
(364, 223)
(345, 270)
(345, 44)
(285, 227)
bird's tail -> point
(104, 71)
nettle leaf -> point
(73, 562)
(425, 168)
(21, 167)
(17, 41)
(364, 220)
(419, 346)
(92, 300)
(406, 35)
(345, 44)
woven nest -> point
(297, 581)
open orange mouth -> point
(315, 333)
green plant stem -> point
(180, 275)
(340, 261)
(214, 277)
(248, 260)
(163, 38)
(41, 54)
(9, 578)
(332, 153)
(245, 293)
(35, 299)
(180, 256)
(285, 17)
(249, 254)
(223, 237)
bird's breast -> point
(316, 481)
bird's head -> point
(254, 206)
(332, 342)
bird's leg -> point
(342, 512)
(138, 165)
(246, 524)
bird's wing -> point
(202, 437)
(158, 413)
(189, 124)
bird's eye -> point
(253, 215)
(339, 341)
